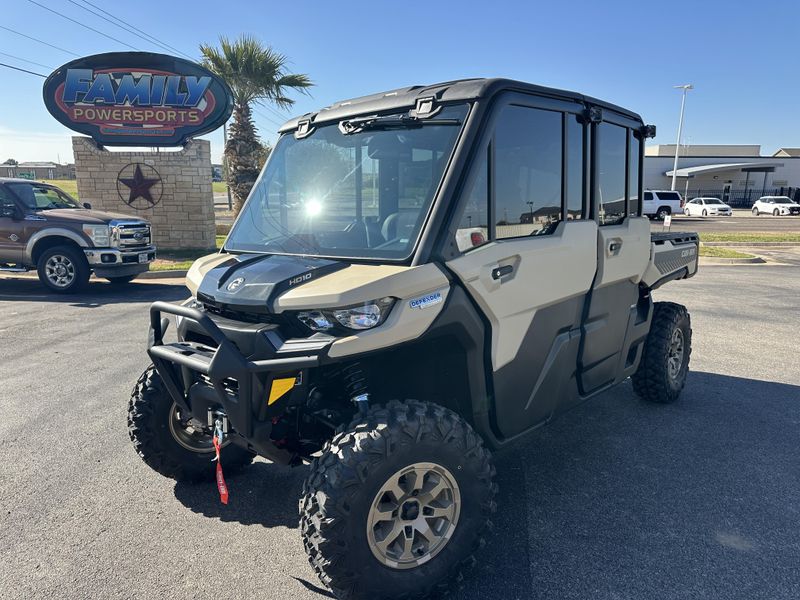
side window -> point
(528, 161)
(6, 201)
(611, 149)
(575, 167)
(633, 174)
(473, 224)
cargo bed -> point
(673, 255)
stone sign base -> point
(171, 189)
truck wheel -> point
(397, 503)
(167, 442)
(121, 280)
(662, 371)
(63, 269)
(662, 213)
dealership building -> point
(736, 174)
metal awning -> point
(753, 167)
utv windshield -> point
(360, 189)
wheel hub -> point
(413, 515)
(59, 270)
(189, 433)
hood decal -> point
(251, 283)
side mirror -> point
(8, 211)
(87, 205)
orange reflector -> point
(279, 388)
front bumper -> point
(200, 377)
(111, 257)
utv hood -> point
(251, 282)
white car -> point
(776, 205)
(705, 207)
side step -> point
(10, 269)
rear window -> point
(648, 195)
(669, 196)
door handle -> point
(499, 272)
(614, 246)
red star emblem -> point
(139, 186)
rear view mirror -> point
(87, 205)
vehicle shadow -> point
(623, 499)
(618, 499)
(263, 494)
(98, 292)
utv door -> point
(616, 319)
(528, 255)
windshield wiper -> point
(351, 126)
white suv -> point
(776, 206)
(659, 204)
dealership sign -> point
(137, 98)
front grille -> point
(236, 315)
(134, 235)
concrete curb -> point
(706, 261)
(162, 274)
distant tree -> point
(256, 74)
(263, 155)
(11, 161)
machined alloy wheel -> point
(188, 434)
(413, 515)
(60, 270)
(662, 214)
(675, 358)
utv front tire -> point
(662, 371)
(175, 451)
(398, 503)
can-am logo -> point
(137, 98)
(235, 284)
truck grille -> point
(134, 235)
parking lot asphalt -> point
(615, 500)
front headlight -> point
(98, 234)
(357, 317)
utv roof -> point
(449, 91)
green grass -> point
(750, 237)
(181, 260)
(68, 185)
(720, 252)
(219, 187)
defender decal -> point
(426, 301)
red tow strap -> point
(221, 486)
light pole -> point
(685, 88)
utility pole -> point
(686, 87)
(225, 163)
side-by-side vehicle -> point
(418, 277)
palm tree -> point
(256, 74)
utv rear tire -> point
(662, 371)
(348, 488)
(155, 439)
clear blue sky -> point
(741, 57)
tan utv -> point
(44, 228)
(417, 277)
